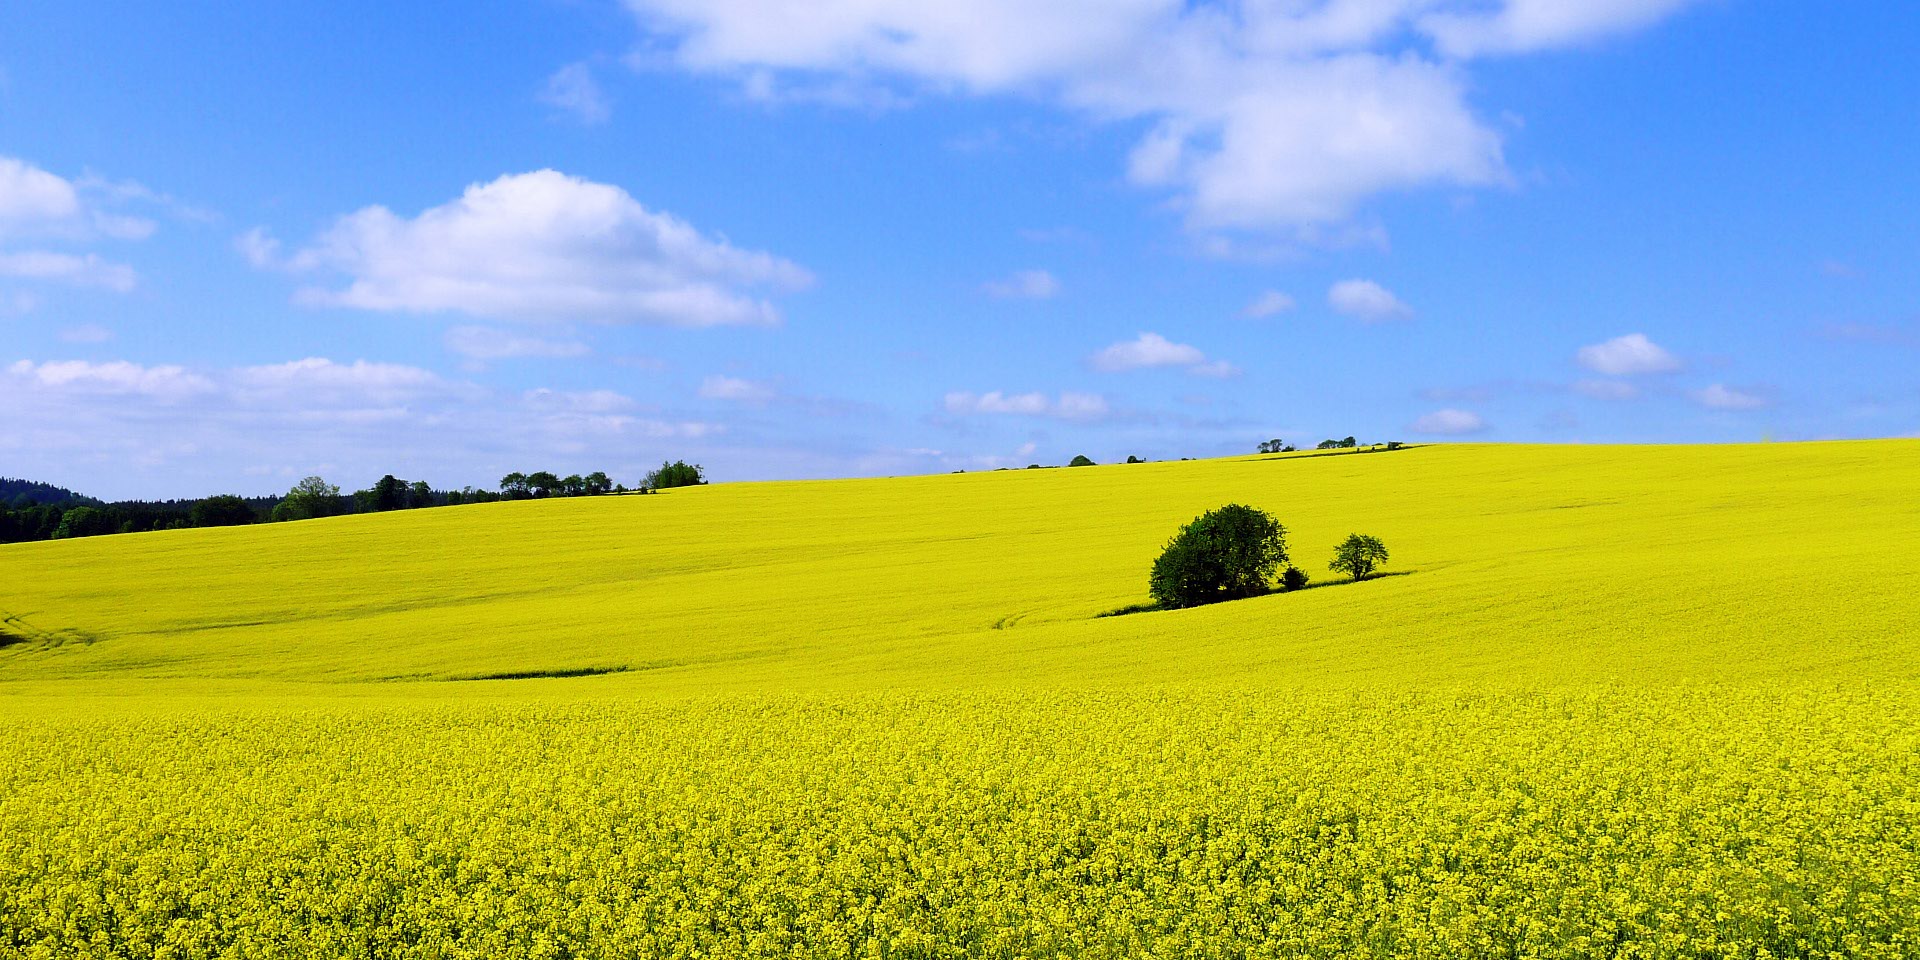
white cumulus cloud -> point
(1366, 301)
(1627, 356)
(114, 378)
(1259, 114)
(1449, 422)
(539, 246)
(1153, 350)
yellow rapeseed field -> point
(1612, 701)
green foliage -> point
(1293, 578)
(513, 486)
(86, 522)
(678, 473)
(310, 498)
(225, 510)
(543, 484)
(1358, 556)
(1134, 459)
(1224, 554)
(1080, 460)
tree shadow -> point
(1151, 607)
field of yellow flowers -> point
(1620, 701)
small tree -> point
(1224, 554)
(225, 510)
(1358, 556)
(513, 486)
(1134, 459)
(598, 483)
(1080, 460)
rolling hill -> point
(1611, 701)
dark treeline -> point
(40, 511)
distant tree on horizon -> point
(1081, 460)
(678, 473)
(513, 486)
(543, 484)
(311, 497)
(222, 510)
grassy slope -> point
(1530, 565)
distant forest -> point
(30, 510)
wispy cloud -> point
(1271, 303)
(1064, 406)
(573, 90)
(1719, 396)
(1024, 285)
(1449, 422)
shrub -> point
(1358, 556)
(1224, 554)
(1080, 460)
(1293, 578)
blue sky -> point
(241, 245)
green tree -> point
(388, 493)
(1080, 460)
(419, 494)
(86, 522)
(225, 510)
(573, 485)
(513, 486)
(310, 498)
(598, 483)
(543, 484)
(1358, 556)
(1224, 554)
(679, 473)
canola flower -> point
(1617, 702)
(1609, 823)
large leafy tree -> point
(1223, 554)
